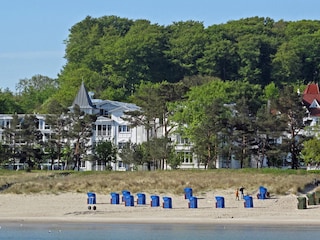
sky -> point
(32, 32)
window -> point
(181, 140)
(105, 113)
(41, 124)
(82, 164)
(120, 164)
(124, 128)
(103, 130)
(99, 130)
(186, 157)
(5, 123)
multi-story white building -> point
(111, 126)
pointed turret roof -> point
(83, 99)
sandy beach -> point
(73, 207)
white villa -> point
(110, 126)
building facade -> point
(111, 126)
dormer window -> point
(105, 113)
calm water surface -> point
(154, 231)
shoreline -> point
(176, 221)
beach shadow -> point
(88, 212)
(105, 203)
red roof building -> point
(311, 99)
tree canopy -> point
(187, 73)
(113, 55)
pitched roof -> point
(115, 105)
(312, 88)
(82, 99)
(311, 94)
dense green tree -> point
(220, 59)
(186, 43)
(208, 137)
(253, 94)
(243, 136)
(271, 92)
(106, 152)
(9, 102)
(199, 117)
(132, 154)
(31, 151)
(138, 56)
(3, 153)
(70, 79)
(269, 128)
(90, 45)
(292, 113)
(255, 53)
(147, 99)
(175, 159)
(240, 50)
(32, 93)
(311, 151)
(114, 54)
(57, 139)
(159, 150)
(53, 106)
(297, 60)
(154, 100)
(303, 27)
(80, 131)
(85, 36)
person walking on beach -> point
(237, 194)
(241, 191)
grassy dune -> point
(157, 182)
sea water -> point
(98, 231)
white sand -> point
(71, 207)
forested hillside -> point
(217, 86)
(114, 55)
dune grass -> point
(157, 182)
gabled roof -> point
(311, 99)
(312, 88)
(314, 104)
(83, 99)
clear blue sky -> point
(33, 31)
